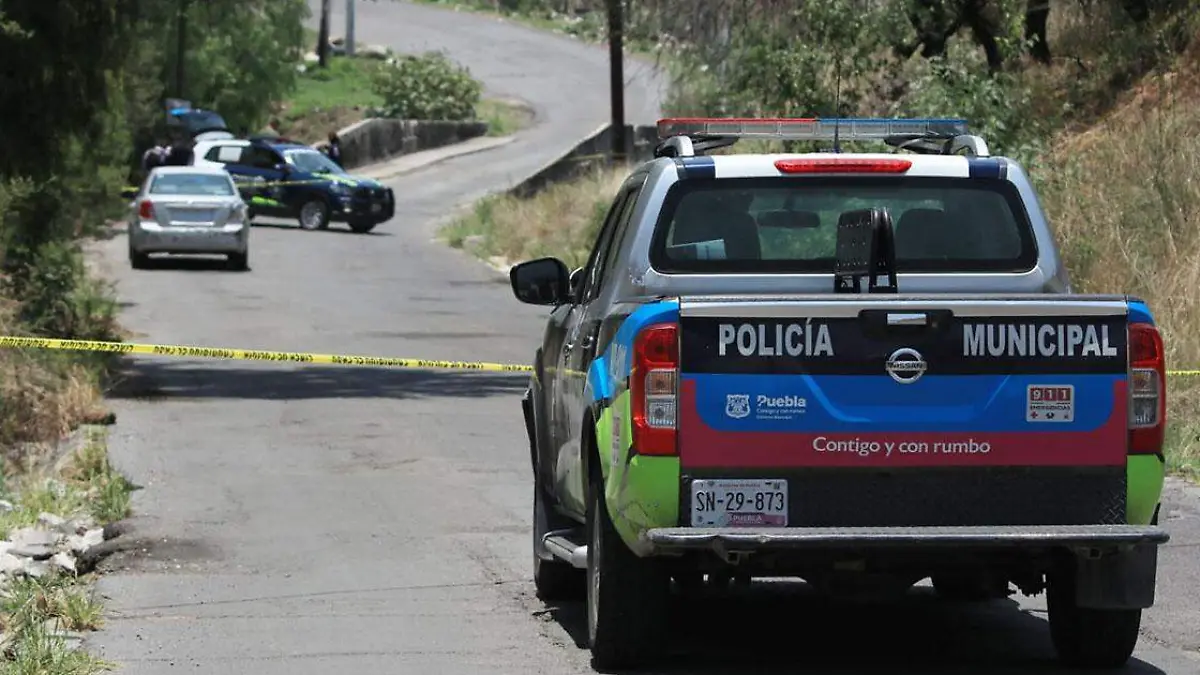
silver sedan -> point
(190, 210)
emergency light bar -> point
(809, 129)
(690, 136)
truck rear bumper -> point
(669, 540)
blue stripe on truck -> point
(874, 403)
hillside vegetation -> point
(1105, 113)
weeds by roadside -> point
(503, 117)
(43, 608)
(562, 221)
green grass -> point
(503, 118)
(89, 486)
(345, 82)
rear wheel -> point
(1088, 638)
(628, 597)
(138, 261)
(362, 226)
(553, 579)
(239, 261)
(314, 215)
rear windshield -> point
(788, 225)
(191, 184)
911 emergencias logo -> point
(737, 406)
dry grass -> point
(1125, 204)
(43, 394)
(561, 221)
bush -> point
(429, 86)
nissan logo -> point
(906, 365)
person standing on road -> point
(334, 150)
(155, 155)
(179, 154)
(272, 129)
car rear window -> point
(192, 184)
(789, 225)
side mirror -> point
(283, 167)
(543, 281)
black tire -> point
(239, 262)
(138, 261)
(314, 215)
(362, 226)
(1088, 638)
(628, 597)
(553, 579)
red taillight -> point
(653, 390)
(146, 210)
(1147, 389)
(839, 165)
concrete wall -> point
(377, 139)
(591, 152)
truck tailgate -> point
(905, 412)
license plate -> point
(376, 208)
(193, 215)
(739, 503)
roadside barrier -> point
(226, 353)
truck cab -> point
(858, 369)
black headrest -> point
(926, 233)
(790, 220)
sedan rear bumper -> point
(153, 238)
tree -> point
(323, 36)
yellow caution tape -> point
(291, 357)
(251, 355)
(256, 185)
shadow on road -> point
(189, 263)
(783, 627)
(334, 228)
(144, 379)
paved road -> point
(317, 520)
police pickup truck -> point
(862, 370)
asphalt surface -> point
(316, 520)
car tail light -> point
(146, 210)
(1147, 389)
(653, 388)
(838, 165)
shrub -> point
(429, 86)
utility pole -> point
(616, 59)
(181, 48)
(323, 36)
(349, 27)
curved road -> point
(317, 520)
